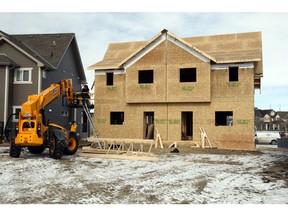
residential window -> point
(145, 76)
(187, 74)
(16, 109)
(22, 75)
(233, 74)
(116, 118)
(109, 79)
(224, 118)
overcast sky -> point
(95, 30)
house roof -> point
(5, 60)
(229, 48)
(48, 49)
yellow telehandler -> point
(33, 132)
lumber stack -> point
(121, 149)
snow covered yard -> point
(194, 178)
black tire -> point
(36, 149)
(273, 142)
(72, 145)
(56, 148)
(15, 150)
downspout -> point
(6, 91)
(39, 80)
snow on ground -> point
(176, 178)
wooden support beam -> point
(122, 156)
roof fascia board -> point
(79, 62)
(226, 66)
(39, 64)
(144, 50)
(64, 52)
(188, 48)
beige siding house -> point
(176, 85)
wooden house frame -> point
(179, 85)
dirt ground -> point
(192, 176)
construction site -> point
(173, 122)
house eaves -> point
(5, 60)
(26, 51)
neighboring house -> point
(269, 119)
(30, 63)
(176, 85)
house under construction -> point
(178, 85)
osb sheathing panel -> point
(106, 94)
(167, 119)
(166, 60)
(154, 92)
(224, 90)
(213, 44)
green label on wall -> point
(187, 88)
(243, 121)
(145, 86)
(165, 121)
(233, 84)
(174, 121)
(101, 121)
(111, 88)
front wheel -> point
(56, 148)
(273, 142)
(72, 145)
(15, 150)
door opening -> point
(187, 126)
(148, 125)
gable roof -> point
(48, 49)
(5, 60)
(230, 48)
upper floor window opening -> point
(233, 74)
(145, 76)
(22, 75)
(109, 79)
(188, 75)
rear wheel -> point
(15, 150)
(273, 142)
(72, 145)
(36, 149)
(56, 148)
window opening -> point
(145, 76)
(224, 118)
(233, 74)
(187, 74)
(109, 79)
(116, 118)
